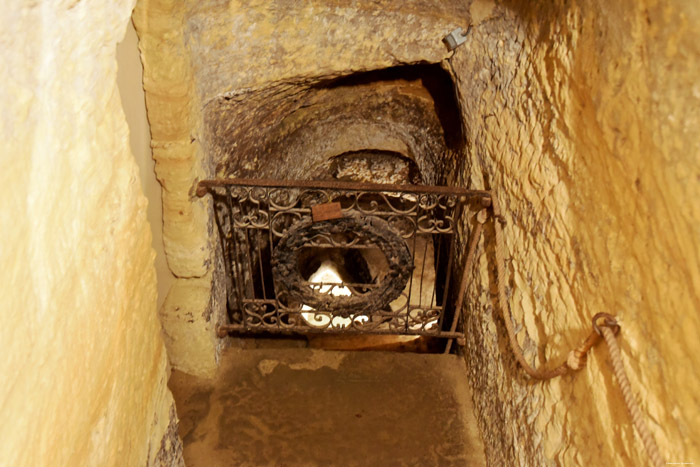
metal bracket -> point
(456, 38)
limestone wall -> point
(130, 83)
(191, 310)
(583, 119)
(84, 369)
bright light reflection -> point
(328, 274)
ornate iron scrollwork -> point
(394, 244)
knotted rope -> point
(632, 407)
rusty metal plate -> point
(326, 212)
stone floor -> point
(305, 407)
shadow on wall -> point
(130, 83)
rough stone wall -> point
(130, 84)
(296, 136)
(238, 46)
(582, 117)
(84, 370)
(189, 322)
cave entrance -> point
(307, 257)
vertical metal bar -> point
(458, 211)
(257, 236)
(250, 258)
(436, 265)
(270, 236)
(448, 279)
(236, 264)
(410, 281)
(422, 278)
(422, 269)
(225, 247)
(473, 241)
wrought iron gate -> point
(337, 257)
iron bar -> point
(224, 329)
(473, 241)
(205, 185)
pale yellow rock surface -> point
(84, 368)
(130, 83)
(238, 45)
(168, 83)
(583, 118)
(190, 334)
(174, 118)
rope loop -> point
(608, 321)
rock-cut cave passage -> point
(580, 118)
(556, 109)
(288, 405)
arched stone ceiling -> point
(283, 132)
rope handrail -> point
(576, 358)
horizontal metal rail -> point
(204, 186)
(224, 329)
